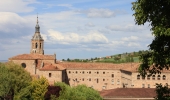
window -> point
(159, 77)
(76, 72)
(23, 65)
(103, 79)
(103, 72)
(50, 75)
(143, 85)
(36, 45)
(40, 45)
(118, 82)
(148, 77)
(143, 78)
(138, 77)
(89, 79)
(83, 72)
(89, 72)
(164, 77)
(69, 72)
(112, 75)
(97, 72)
(153, 77)
(148, 85)
(97, 80)
(83, 79)
(112, 81)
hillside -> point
(117, 58)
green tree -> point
(5, 83)
(156, 12)
(80, 92)
(39, 88)
(16, 79)
(163, 92)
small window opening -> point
(50, 75)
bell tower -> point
(37, 42)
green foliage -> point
(5, 82)
(156, 12)
(163, 92)
(80, 92)
(13, 79)
(39, 88)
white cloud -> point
(16, 5)
(98, 13)
(67, 38)
(126, 28)
(131, 38)
(132, 44)
(90, 24)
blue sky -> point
(71, 28)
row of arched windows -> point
(153, 77)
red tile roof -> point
(93, 66)
(51, 67)
(129, 93)
(32, 56)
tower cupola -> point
(37, 42)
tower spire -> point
(37, 18)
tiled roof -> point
(129, 93)
(49, 66)
(32, 56)
(91, 66)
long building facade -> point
(100, 76)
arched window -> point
(89, 72)
(40, 45)
(164, 77)
(138, 77)
(36, 45)
(148, 77)
(23, 65)
(159, 77)
(153, 77)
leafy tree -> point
(14, 79)
(156, 12)
(80, 92)
(5, 83)
(40, 88)
(163, 92)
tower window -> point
(36, 45)
(40, 45)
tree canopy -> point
(156, 13)
(13, 78)
(80, 92)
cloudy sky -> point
(71, 28)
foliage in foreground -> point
(13, 79)
(80, 92)
(163, 92)
(156, 12)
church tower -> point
(37, 42)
